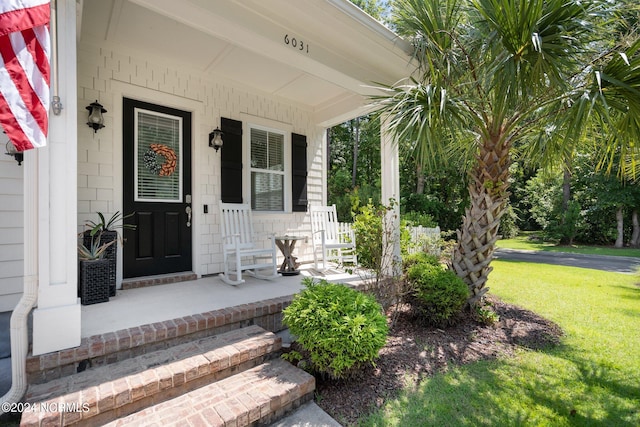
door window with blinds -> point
(158, 159)
(267, 170)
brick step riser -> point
(168, 393)
(117, 346)
(256, 397)
(147, 381)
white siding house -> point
(276, 69)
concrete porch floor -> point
(140, 306)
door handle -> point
(188, 211)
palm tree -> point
(495, 78)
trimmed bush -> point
(369, 226)
(438, 294)
(339, 329)
(410, 260)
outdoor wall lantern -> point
(215, 139)
(96, 120)
(12, 151)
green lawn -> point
(591, 379)
(528, 241)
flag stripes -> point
(24, 71)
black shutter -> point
(299, 172)
(231, 161)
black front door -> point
(157, 189)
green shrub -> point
(509, 224)
(486, 315)
(438, 294)
(419, 218)
(565, 226)
(368, 225)
(409, 261)
(339, 329)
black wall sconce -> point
(12, 151)
(96, 120)
(215, 139)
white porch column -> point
(390, 169)
(56, 320)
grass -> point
(591, 379)
(528, 241)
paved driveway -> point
(598, 262)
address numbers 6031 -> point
(296, 43)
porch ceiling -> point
(244, 41)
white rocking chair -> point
(238, 247)
(332, 240)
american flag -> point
(24, 71)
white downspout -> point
(18, 325)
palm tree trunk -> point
(479, 231)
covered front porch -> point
(277, 70)
(245, 68)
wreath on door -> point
(168, 167)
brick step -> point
(258, 396)
(112, 347)
(109, 392)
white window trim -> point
(136, 165)
(285, 129)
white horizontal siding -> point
(11, 252)
(11, 232)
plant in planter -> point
(93, 271)
(105, 230)
(95, 251)
(111, 225)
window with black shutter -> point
(266, 172)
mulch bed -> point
(415, 351)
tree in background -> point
(427, 198)
(609, 205)
(354, 165)
(544, 194)
(602, 209)
(353, 149)
(440, 194)
(378, 9)
(438, 197)
(498, 74)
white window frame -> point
(136, 165)
(273, 127)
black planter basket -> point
(94, 281)
(110, 254)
